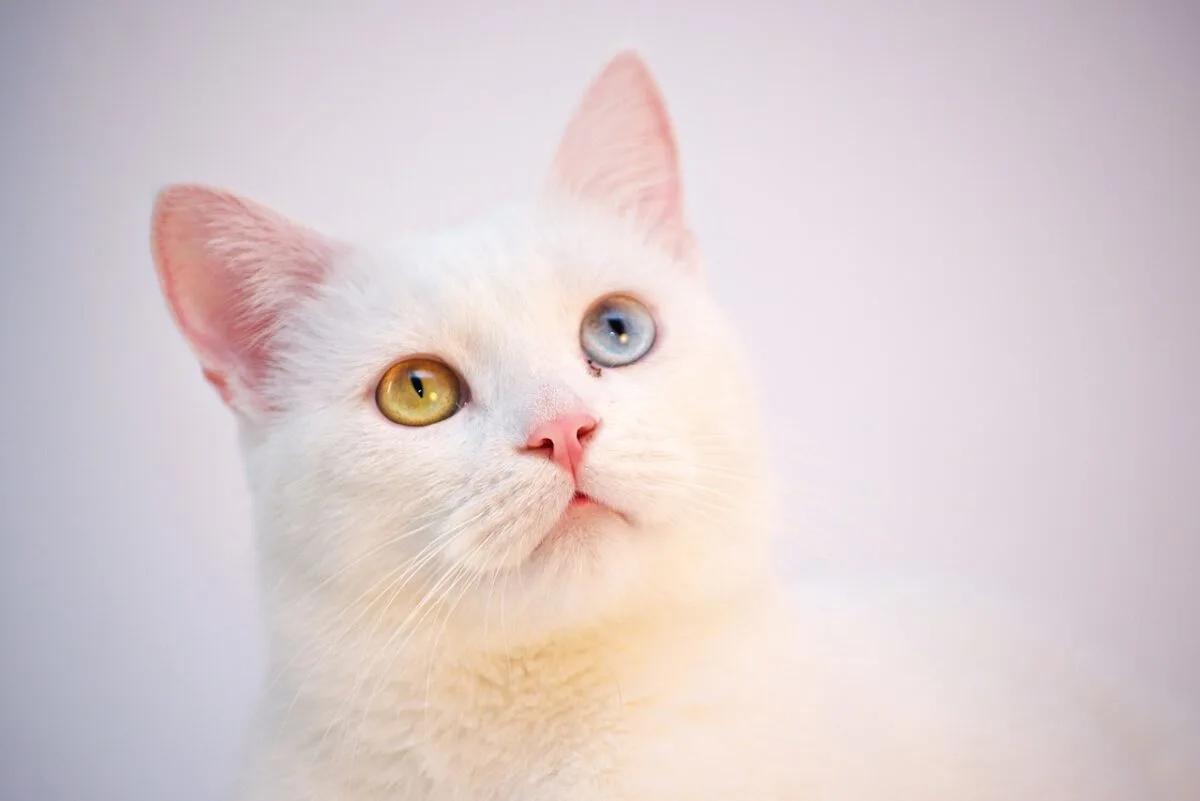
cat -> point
(515, 533)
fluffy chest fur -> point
(819, 696)
(570, 717)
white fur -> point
(421, 649)
(657, 663)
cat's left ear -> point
(619, 151)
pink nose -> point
(563, 439)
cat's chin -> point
(584, 517)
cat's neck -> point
(393, 642)
(369, 701)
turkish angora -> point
(512, 513)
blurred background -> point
(963, 240)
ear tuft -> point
(619, 151)
(229, 268)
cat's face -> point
(543, 416)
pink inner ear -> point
(229, 268)
(619, 149)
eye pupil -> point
(617, 326)
(417, 385)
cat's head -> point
(542, 417)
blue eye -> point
(616, 331)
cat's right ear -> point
(229, 269)
(619, 151)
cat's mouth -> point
(578, 511)
(580, 499)
(582, 503)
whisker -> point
(407, 569)
(467, 587)
(340, 572)
(427, 604)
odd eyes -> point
(616, 331)
(419, 392)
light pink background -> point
(964, 242)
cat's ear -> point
(619, 150)
(229, 269)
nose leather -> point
(563, 439)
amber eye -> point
(419, 392)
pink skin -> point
(562, 440)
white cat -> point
(514, 527)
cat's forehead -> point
(513, 256)
(519, 268)
(512, 288)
